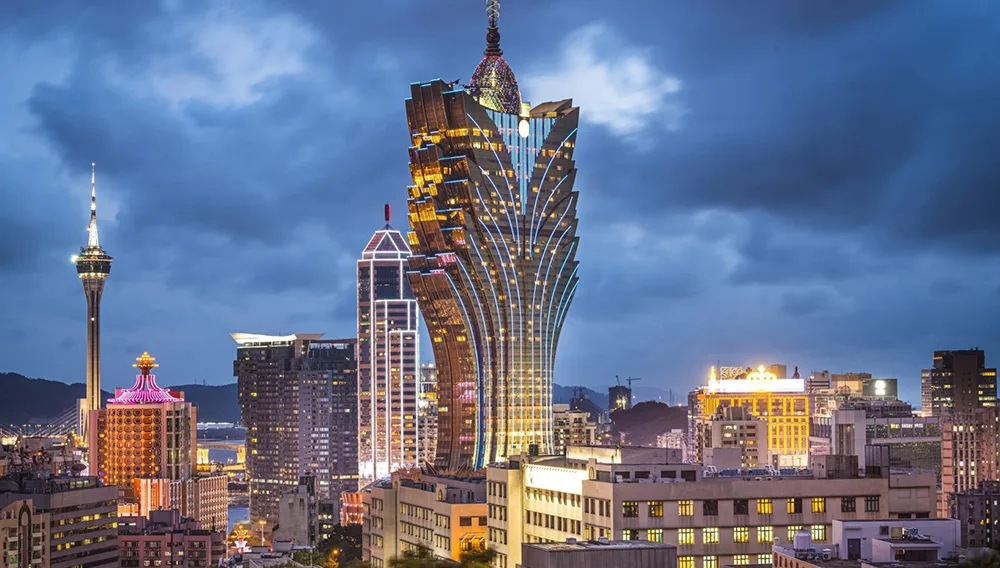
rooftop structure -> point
(603, 553)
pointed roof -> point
(387, 243)
(145, 390)
(493, 83)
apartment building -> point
(444, 514)
(643, 494)
(24, 535)
(571, 428)
(167, 538)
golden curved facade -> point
(492, 213)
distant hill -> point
(37, 400)
(33, 399)
(645, 421)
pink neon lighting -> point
(145, 391)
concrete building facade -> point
(24, 535)
(594, 554)
(166, 538)
(572, 428)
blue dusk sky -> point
(810, 183)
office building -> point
(427, 413)
(598, 554)
(93, 266)
(298, 401)
(166, 538)
(388, 345)
(970, 443)
(146, 432)
(782, 403)
(959, 382)
(444, 514)
(923, 543)
(572, 428)
(643, 494)
(735, 427)
(978, 514)
(80, 516)
(913, 442)
(24, 535)
(492, 212)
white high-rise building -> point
(388, 351)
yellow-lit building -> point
(782, 403)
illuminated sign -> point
(879, 388)
(760, 380)
(555, 479)
(730, 373)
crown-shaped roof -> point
(386, 243)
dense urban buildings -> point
(444, 514)
(145, 432)
(647, 494)
(958, 383)
(166, 538)
(388, 345)
(427, 423)
(970, 443)
(765, 394)
(978, 514)
(493, 222)
(298, 399)
(571, 428)
(93, 266)
(79, 515)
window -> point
(848, 504)
(630, 508)
(794, 506)
(819, 504)
(741, 559)
(685, 562)
(685, 536)
(710, 535)
(818, 533)
(710, 508)
(741, 507)
(630, 534)
(765, 506)
(656, 508)
(710, 562)
(764, 558)
(465, 521)
(685, 508)
(871, 504)
(765, 534)
(792, 529)
(741, 534)
(656, 535)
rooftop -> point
(593, 544)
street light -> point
(261, 522)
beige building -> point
(24, 535)
(736, 427)
(594, 554)
(444, 514)
(641, 494)
(204, 498)
(571, 428)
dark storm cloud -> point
(828, 195)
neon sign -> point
(749, 381)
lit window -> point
(792, 529)
(710, 535)
(656, 535)
(765, 506)
(819, 504)
(764, 558)
(685, 562)
(685, 536)
(630, 534)
(685, 508)
(630, 508)
(818, 533)
(741, 534)
(741, 559)
(765, 534)
(710, 562)
(656, 508)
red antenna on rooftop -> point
(388, 211)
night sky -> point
(810, 183)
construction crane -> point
(630, 380)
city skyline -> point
(792, 245)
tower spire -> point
(92, 240)
(493, 33)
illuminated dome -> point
(493, 83)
